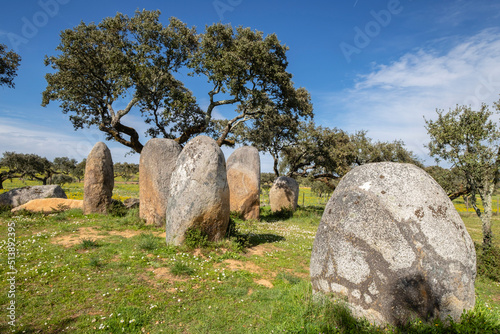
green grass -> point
(255, 282)
(138, 284)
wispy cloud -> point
(392, 100)
(51, 143)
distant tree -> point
(9, 63)
(30, 165)
(10, 168)
(61, 179)
(267, 180)
(277, 131)
(451, 180)
(325, 154)
(79, 171)
(35, 167)
(133, 60)
(470, 141)
(369, 151)
(320, 153)
(125, 170)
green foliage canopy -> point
(9, 63)
(136, 58)
(470, 141)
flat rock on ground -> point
(20, 196)
(48, 205)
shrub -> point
(117, 209)
(95, 262)
(88, 244)
(179, 269)
(148, 242)
(195, 238)
(488, 262)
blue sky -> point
(380, 66)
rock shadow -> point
(413, 297)
(264, 238)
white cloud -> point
(50, 143)
(392, 101)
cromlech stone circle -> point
(199, 193)
(49, 205)
(243, 178)
(392, 243)
(284, 194)
(99, 180)
(157, 162)
(20, 196)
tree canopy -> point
(326, 154)
(470, 141)
(9, 63)
(19, 165)
(132, 62)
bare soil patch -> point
(94, 233)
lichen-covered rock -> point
(199, 193)
(243, 178)
(48, 205)
(392, 242)
(157, 162)
(284, 194)
(20, 196)
(99, 180)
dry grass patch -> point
(94, 233)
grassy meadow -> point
(113, 274)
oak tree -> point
(9, 63)
(470, 141)
(134, 62)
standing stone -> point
(392, 243)
(284, 194)
(158, 158)
(99, 180)
(243, 178)
(199, 193)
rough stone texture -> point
(99, 180)
(158, 158)
(20, 196)
(199, 193)
(48, 205)
(131, 203)
(392, 242)
(243, 178)
(284, 194)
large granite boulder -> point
(20, 196)
(199, 193)
(392, 243)
(284, 194)
(157, 162)
(99, 180)
(48, 205)
(243, 178)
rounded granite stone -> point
(392, 243)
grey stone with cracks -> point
(392, 243)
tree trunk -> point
(486, 197)
(275, 165)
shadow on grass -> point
(266, 215)
(265, 238)
(59, 327)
